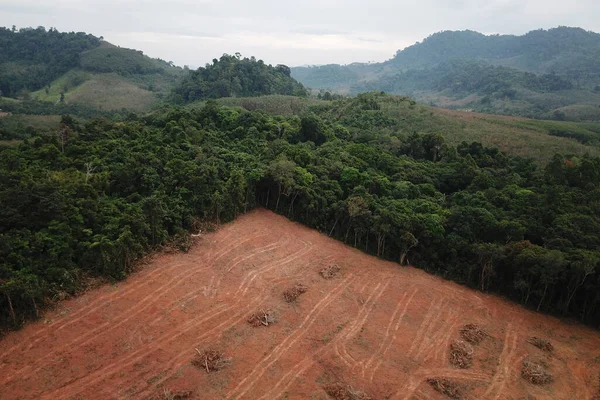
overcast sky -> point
(193, 32)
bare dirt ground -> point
(379, 327)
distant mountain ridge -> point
(568, 56)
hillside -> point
(234, 76)
(89, 72)
(376, 327)
(543, 74)
(535, 139)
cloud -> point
(194, 32)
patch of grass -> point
(515, 136)
(62, 85)
(111, 92)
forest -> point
(92, 199)
(31, 58)
(234, 76)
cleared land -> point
(375, 328)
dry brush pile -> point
(290, 295)
(168, 394)
(339, 391)
(330, 271)
(447, 387)
(461, 354)
(210, 360)
(473, 333)
(541, 344)
(262, 318)
(536, 372)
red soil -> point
(379, 327)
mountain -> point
(545, 73)
(234, 76)
(81, 70)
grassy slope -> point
(519, 136)
(111, 92)
(102, 91)
(124, 79)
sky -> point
(307, 32)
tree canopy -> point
(94, 197)
(234, 76)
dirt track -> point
(379, 327)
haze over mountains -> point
(545, 74)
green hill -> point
(31, 58)
(233, 76)
(543, 74)
(81, 69)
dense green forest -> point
(234, 76)
(93, 198)
(543, 74)
(31, 58)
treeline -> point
(234, 76)
(461, 78)
(35, 107)
(123, 61)
(32, 58)
(93, 199)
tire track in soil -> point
(193, 295)
(358, 325)
(393, 339)
(245, 285)
(185, 326)
(434, 308)
(141, 306)
(250, 380)
(441, 353)
(77, 386)
(297, 370)
(418, 377)
(69, 320)
(494, 390)
(103, 299)
(435, 331)
(437, 341)
(183, 357)
(382, 342)
(346, 356)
